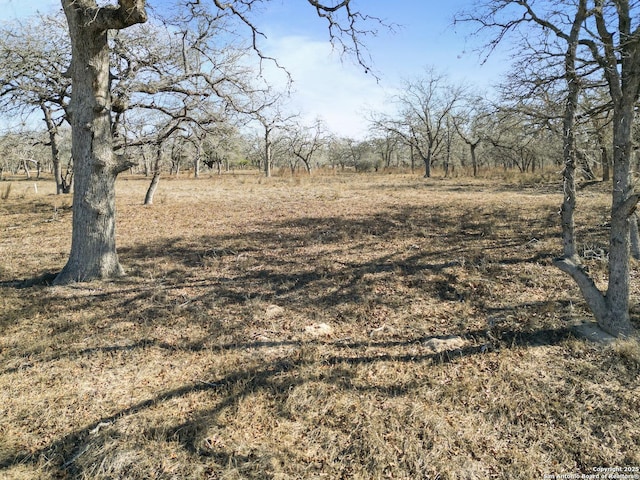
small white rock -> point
(318, 329)
(438, 345)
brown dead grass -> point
(331, 327)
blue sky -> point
(336, 89)
(340, 91)
(425, 35)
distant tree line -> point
(183, 101)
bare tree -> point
(513, 139)
(305, 142)
(266, 108)
(470, 122)
(33, 78)
(20, 151)
(358, 153)
(93, 248)
(606, 34)
(160, 138)
(423, 108)
(385, 143)
(338, 152)
(182, 78)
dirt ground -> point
(333, 326)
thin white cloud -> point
(328, 87)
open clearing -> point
(367, 327)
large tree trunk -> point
(569, 154)
(611, 309)
(570, 261)
(93, 241)
(623, 206)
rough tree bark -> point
(617, 54)
(569, 153)
(93, 250)
(611, 309)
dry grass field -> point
(332, 327)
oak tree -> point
(93, 246)
(423, 107)
(33, 79)
(593, 37)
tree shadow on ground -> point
(472, 229)
(277, 377)
(336, 269)
(312, 267)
